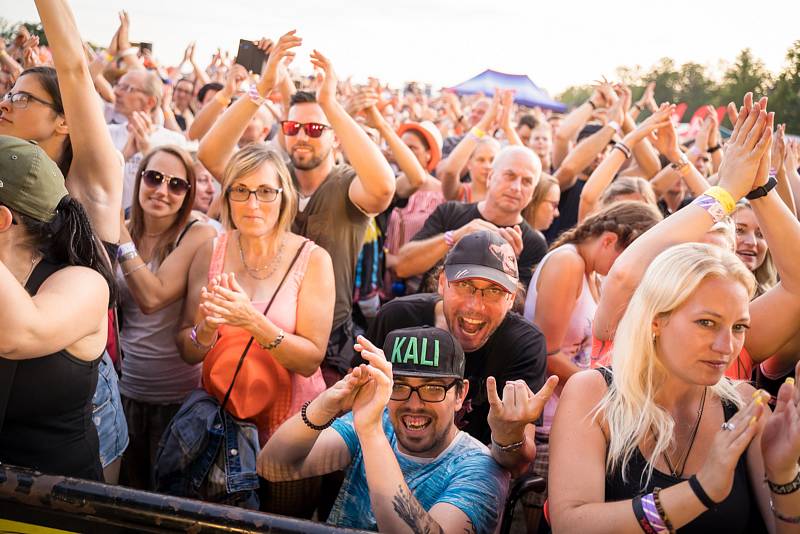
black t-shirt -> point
(516, 351)
(453, 215)
(665, 210)
(568, 206)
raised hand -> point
(514, 237)
(518, 407)
(507, 106)
(373, 396)
(778, 152)
(780, 441)
(339, 398)
(123, 41)
(659, 119)
(748, 143)
(665, 139)
(326, 94)
(488, 119)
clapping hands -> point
(749, 143)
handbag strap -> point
(269, 304)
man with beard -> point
(474, 300)
(514, 175)
(408, 465)
(335, 201)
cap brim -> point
(415, 374)
(466, 271)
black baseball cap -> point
(483, 255)
(425, 352)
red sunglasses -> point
(312, 129)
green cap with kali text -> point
(425, 352)
(30, 182)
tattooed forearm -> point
(413, 514)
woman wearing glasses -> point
(156, 250)
(231, 282)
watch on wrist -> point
(762, 190)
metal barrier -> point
(71, 504)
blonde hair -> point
(629, 406)
(766, 274)
(727, 229)
(628, 185)
(246, 161)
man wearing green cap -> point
(408, 466)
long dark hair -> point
(166, 243)
(48, 78)
(69, 239)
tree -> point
(785, 96)
(695, 87)
(575, 95)
(667, 80)
(748, 73)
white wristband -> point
(615, 125)
(126, 248)
(132, 51)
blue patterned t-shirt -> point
(464, 475)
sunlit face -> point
(308, 153)
(541, 142)
(420, 151)
(38, 121)
(425, 428)
(547, 210)
(130, 94)
(751, 246)
(160, 201)
(204, 193)
(472, 319)
(513, 180)
(257, 129)
(700, 338)
(182, 95)
(253, 217)
(480, 162)
(524, 133)
(208, 97)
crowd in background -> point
(378, 307)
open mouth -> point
(416, 423)
(469, 326)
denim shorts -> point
(107, 414)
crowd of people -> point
(380, 307)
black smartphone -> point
(250, 56)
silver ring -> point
(728, 426)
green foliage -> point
(785, 96)
(575, 95)
(8, 30)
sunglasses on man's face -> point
(175, 185)
(312, 129)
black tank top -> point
(738, 513)
(48, 424)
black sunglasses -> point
(312, 129)
(175, 185)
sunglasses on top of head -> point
(175, 185)
(312, 129)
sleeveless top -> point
(578, 337)
(281, 393)
(48, 423)
(152, 368)
(739, 512)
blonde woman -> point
(752, 247)
(231, 281)
(663, 415)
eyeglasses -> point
(263, 193)
(125, 88)
(312, 129)
(491, 294)
(426, 392)
(175, 185)
(20, 100)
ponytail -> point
(70, 239)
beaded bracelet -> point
(196, 342)
(662, 512)
(274, 344)
(784, 489)
(785, 518)
(309, 424)
(127, 274)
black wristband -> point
(594, 106)
(784, 489)
(700, 493)
(309, 424)
(641, 518)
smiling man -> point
(514, 175)
(408, 466)
(476, 293)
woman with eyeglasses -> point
(156, 250)
(232, 280)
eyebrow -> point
(718, 316)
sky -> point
(443, 42)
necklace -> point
(682, 460)
(270, 267)
(34, 261)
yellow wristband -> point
(109, 57)
(477, 132)
(723, 197)
(219, 97)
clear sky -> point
(557, 43)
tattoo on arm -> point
(413, 514)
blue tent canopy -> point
(526, 92)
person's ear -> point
(6, 218)
(61, 126)
(442, 283)
(610, 239)
(462, 396)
